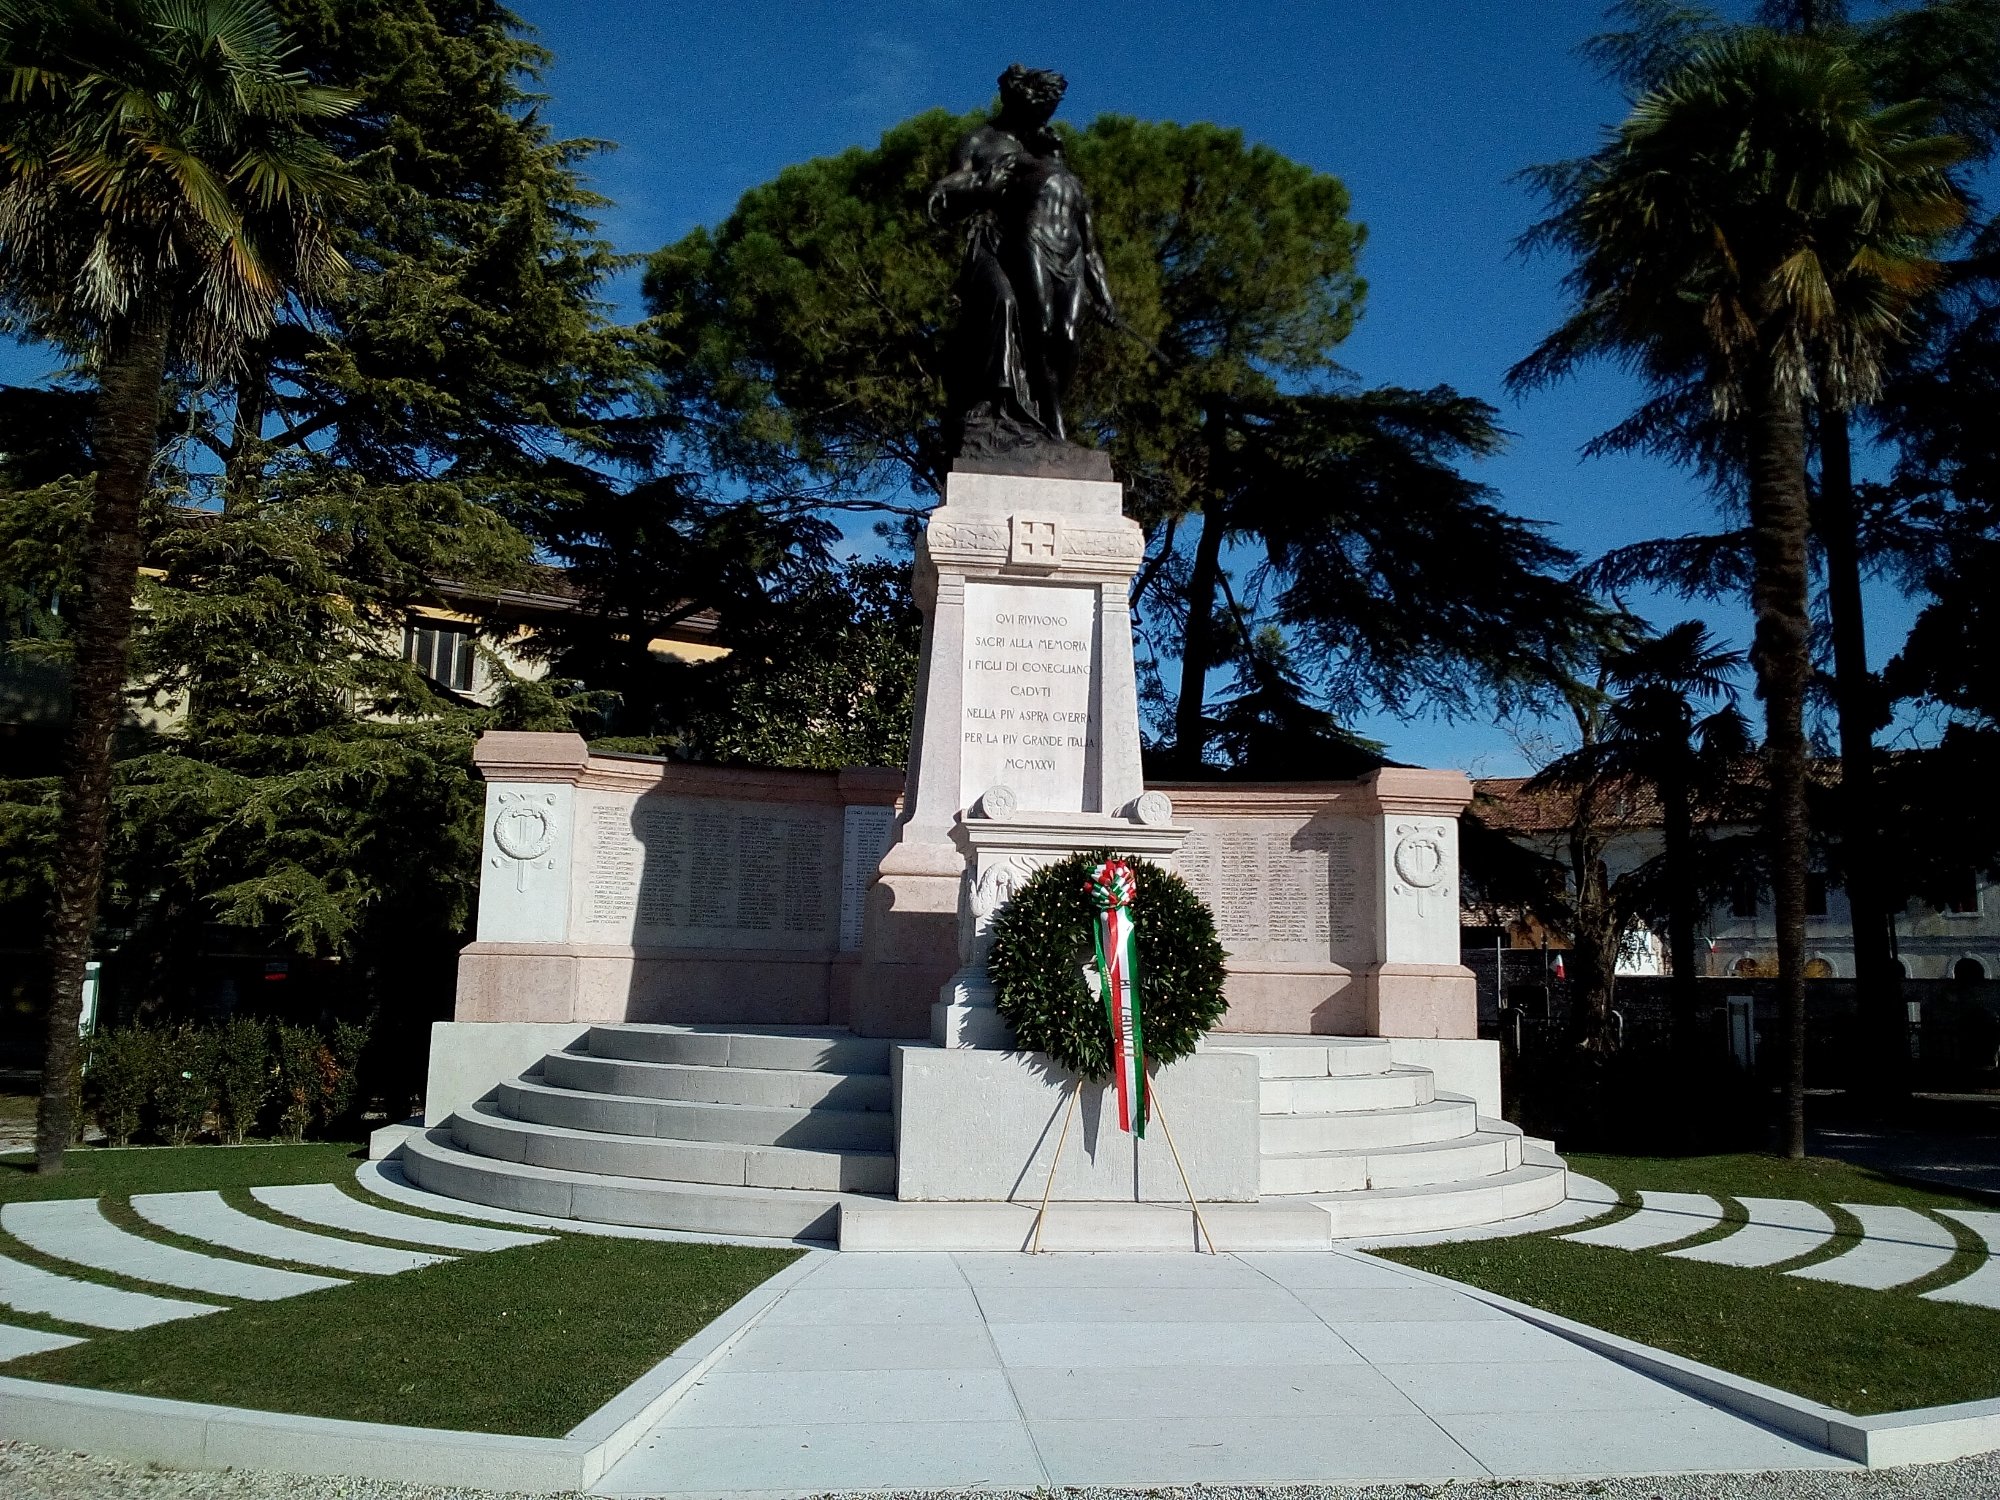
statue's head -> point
(1031, 93)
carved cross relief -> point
(1037, 542)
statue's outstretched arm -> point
(964, 178)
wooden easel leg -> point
(1041, 1213)
(1187, 1187)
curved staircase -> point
(1342, 1125)
(750, 1133)
(767, 1132)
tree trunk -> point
(1779, 530)
(1677, 836)
(1594, 942)
(127, 437)
(1198, 650)
(1877, 977)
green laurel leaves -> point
(1042, 945)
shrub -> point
(118, 1079)
(343, 1098)
(184, 1084)
(243, 1079)
(306, 1070)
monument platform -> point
(787, 1133)
(755, 1003)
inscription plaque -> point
(1030, 660)
(864, 840)
(1281, 891)
(694, 872)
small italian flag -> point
(1559, 968)
(1112, 887)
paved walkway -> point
(930, 1372)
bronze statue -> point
(1032, 269)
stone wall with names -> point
(1030, 662)
(865, 835)
(698, 872)
(1284, 889)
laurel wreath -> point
(1042, 946)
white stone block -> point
(525, 862)
(1462, 1066)
(977, 1125)
(1419, 888)
(468, 1058)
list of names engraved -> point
(614, 870)
(864, 840)
(1277, 892)
(667, 869)
(1030, 659)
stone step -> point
(1307, 1056)
(1367, 1129)
(1399, 1088)
(819, 1129)
(1449, 1205)
(787, 1048)
(1283, 1056)
(486, 1132)
(886, 1224)
(434, 1162)
(705, 1084)
(1483, 1154)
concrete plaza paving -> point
(941, 1371)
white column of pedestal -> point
(1120, 778)
(933, 781)
(525, 864)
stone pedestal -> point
(1414, 984)
(1001, 849)
(981, 1126)
(1025, 682)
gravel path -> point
(28, 1473)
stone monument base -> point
(981, 1126)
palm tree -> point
(160, 194)
(1759, 226)
(1946, 52)
(1672, 727)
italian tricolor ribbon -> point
(1112, 888)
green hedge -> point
(181, 1082)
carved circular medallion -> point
(1154, 809)
(999, 803)
(523, 831)
(1420, 859)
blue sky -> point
(1425, 110)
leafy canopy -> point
(801, 340)
(160, 159)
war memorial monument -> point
(756, 1002)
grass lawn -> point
(527, 1341)
(1859, 1350)
(1748, 1174)
(118, 1172)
